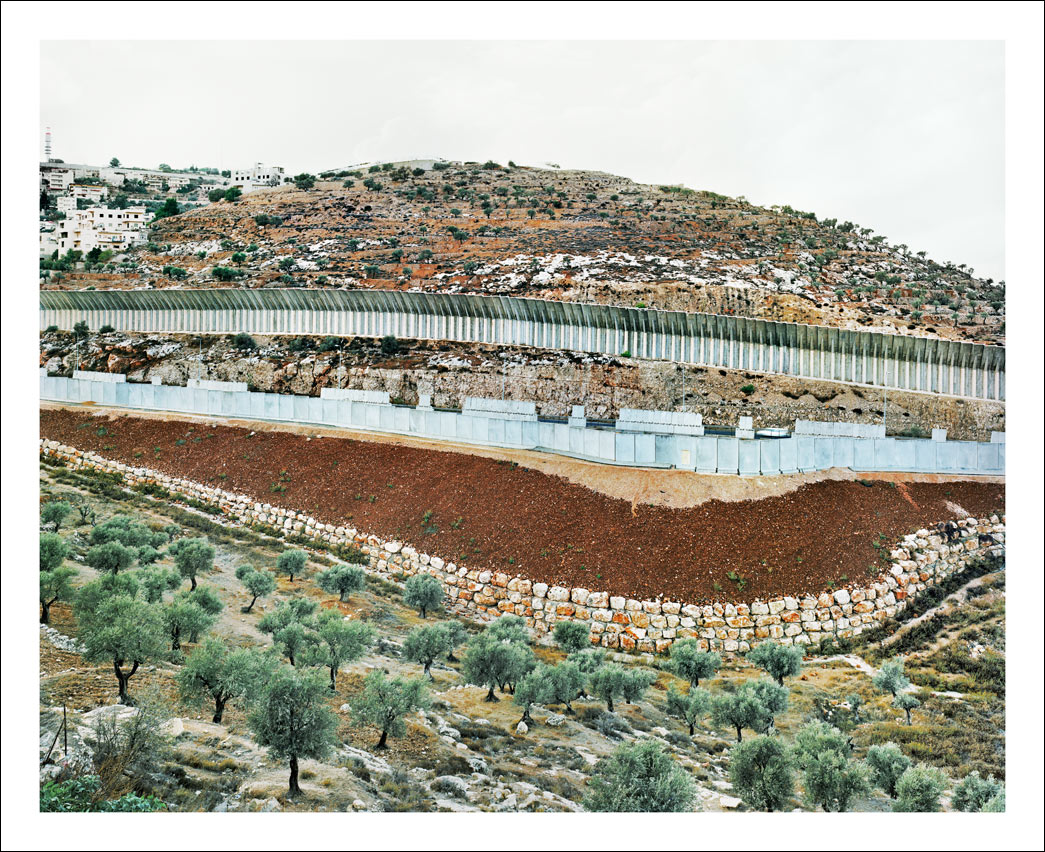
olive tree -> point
(887, 764)
(337, 641)
(292, 719)
(385, 701)
(689, 662)
(257, 583)
(92, 595)
(762, 773)
(640, 778)
(111, 557)
(288, 625)
(126, 631)
(424, 644)
(492, 662)
(55, 577)
(532, 689)
(610, 681)
(890, 678)
(690, 707)
(565, 682)
(342, 580)
(635, 683)
(424, 592)
(572, 636)
(53, 551)
(919, 790)
(291, 563)
(589, 660)
(456, 636)
(193, 556)
(906, 702)
(737, 710)
(54, 512)
(830, 778)
(778, 661)
(774, 700)
(752, 705)
(189, 615)
(510, 628)
(219, 673)
(128, 532)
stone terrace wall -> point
(918, 561)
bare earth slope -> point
(485, 512)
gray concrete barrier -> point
(701, 453)
(918, 364)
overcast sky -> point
(903, 137)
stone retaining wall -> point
(919, 560)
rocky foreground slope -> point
(570, 235)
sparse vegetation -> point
(565, 705)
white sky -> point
(904, 137)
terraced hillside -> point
(458, 750)
(568, 235)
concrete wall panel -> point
(919, 364)
(728, 455)
(806, 453)
(706, 454)
(624, 448)
(749, 457)
(769, 457)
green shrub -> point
(919, 790)
(640, 777)
(83, 795)
(974, 792)
(572, 636)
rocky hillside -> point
(570, 235)
(555, 380)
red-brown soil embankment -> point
(485, 512)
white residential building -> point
(258, 176)
(65, 204)
(89, 191)
(48, 239)
(113, 176)
(55, 178)
(103, 228)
